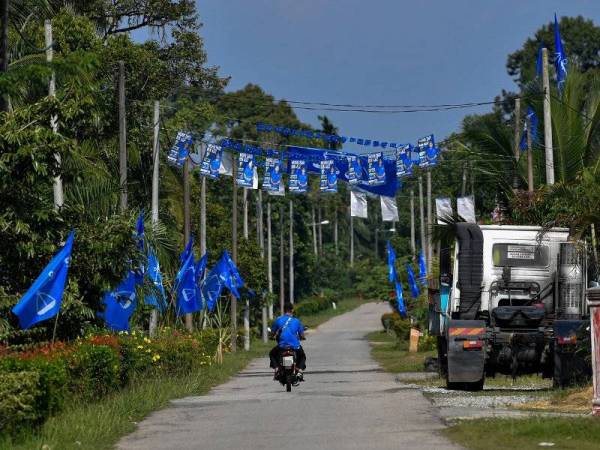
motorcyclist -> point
(288, 331)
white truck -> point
(511, 300)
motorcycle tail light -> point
(567, 340)
(472, 345)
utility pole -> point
(422, 217)
(186, 222)
(429, 224)
(281, 265)
(155, 173)
(529, 157)
(4, 49)
(259, 223)
(335, 232)
(245, 202)
(122, 138)
(269, 257)
(351, 240)
(246, 301)
(234, 254)
(412, 224)
(57, 186)
(314, 229)
(320, 232)
(517, 132)
(547, 120)
(291, 282)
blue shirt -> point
(290, 336)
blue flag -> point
(539, 63)
(139, 237)
(530, 118)
(414, 288)
(187, 295)
(201, 268)
(186, 251)
(226, 276)
(422, 268)
(158, 301)
(239, 282)
(391, 263)
(212, 288)
(43, 299)
(561, 58)
(400, 299)
(120, 304)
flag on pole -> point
(561, 58)
(139, 238)
(539, 63)
(186, 251)
(400, 299)
(422, 268)
(389, 209)
(392, 276)
(414, 288)
(358, 204)
(120, 304)
(43, 299)
(187, 298)
(530, 117)
(212, 288)
(158, 299)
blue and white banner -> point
(428, 153)
(273, 175)
(245, 174)
(298, 176)
(329, 176)
(355, 169)
(561, 57)
(211, 163)
(376, 169)
(180, 150)
(120, 304)
(404, 163)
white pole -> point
(412, 223)
(269, 257)
(314, 230)
(547, 120)
(155, 172)
(351, 240)
(57, 186)
(291, 282)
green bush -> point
(94, 371)
(313, 305)
(387, 318)
(19, 392)
(401, 328)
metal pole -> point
(422, 218)
(155, 173)
(281, 264)
(291, 238)
(122, 138)
(529, 157)
(351, 240)
(186, 222)
(412, 223)
(57, 186)
(234, 255)
(269, 257)
(547, 120)
(314, 227)
(429, 223)
(245, 203)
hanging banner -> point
(443, 210)
(226, 167)
(465, 207)
(298, 182)
(358, 204)
(180, 150)
(428, 153)
(355, 169)
(404, 162)
(329, 176)
(389, 209)
(272, 178)
(376, 169)
(245, 174)
(211, 162)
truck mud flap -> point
(466, 351)
(572, 349)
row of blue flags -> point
(393, 278)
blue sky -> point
(377, 52)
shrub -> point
(19, 392)
(401, 328)
(94, 371)
(387, 318)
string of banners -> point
(374, 172)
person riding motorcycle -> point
(288, 331)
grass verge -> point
(343, 306)
(99, 425)
(394, 356)
(581, 433)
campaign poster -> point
(272, 179)
(404, 161)
(211, 163)
(329, 176)
(428, 153)
(355, 169)
(298, 176)
(180, 150)
(245, 174)
(376, 169)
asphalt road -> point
(347, 402)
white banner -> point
(358, 204)
(226, 167)
(443, 208)
(466, 208)
(389, 209)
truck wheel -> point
(442, 356)
(476, 386)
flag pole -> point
(281, 263)
(155, 180)
(547, 120)
(122, 139)
(55, 326)
(234, 237)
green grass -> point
(393, 356)
(581, 433)
(99, 425)
(343, 306)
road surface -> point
(347, 402)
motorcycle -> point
(288, 375)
